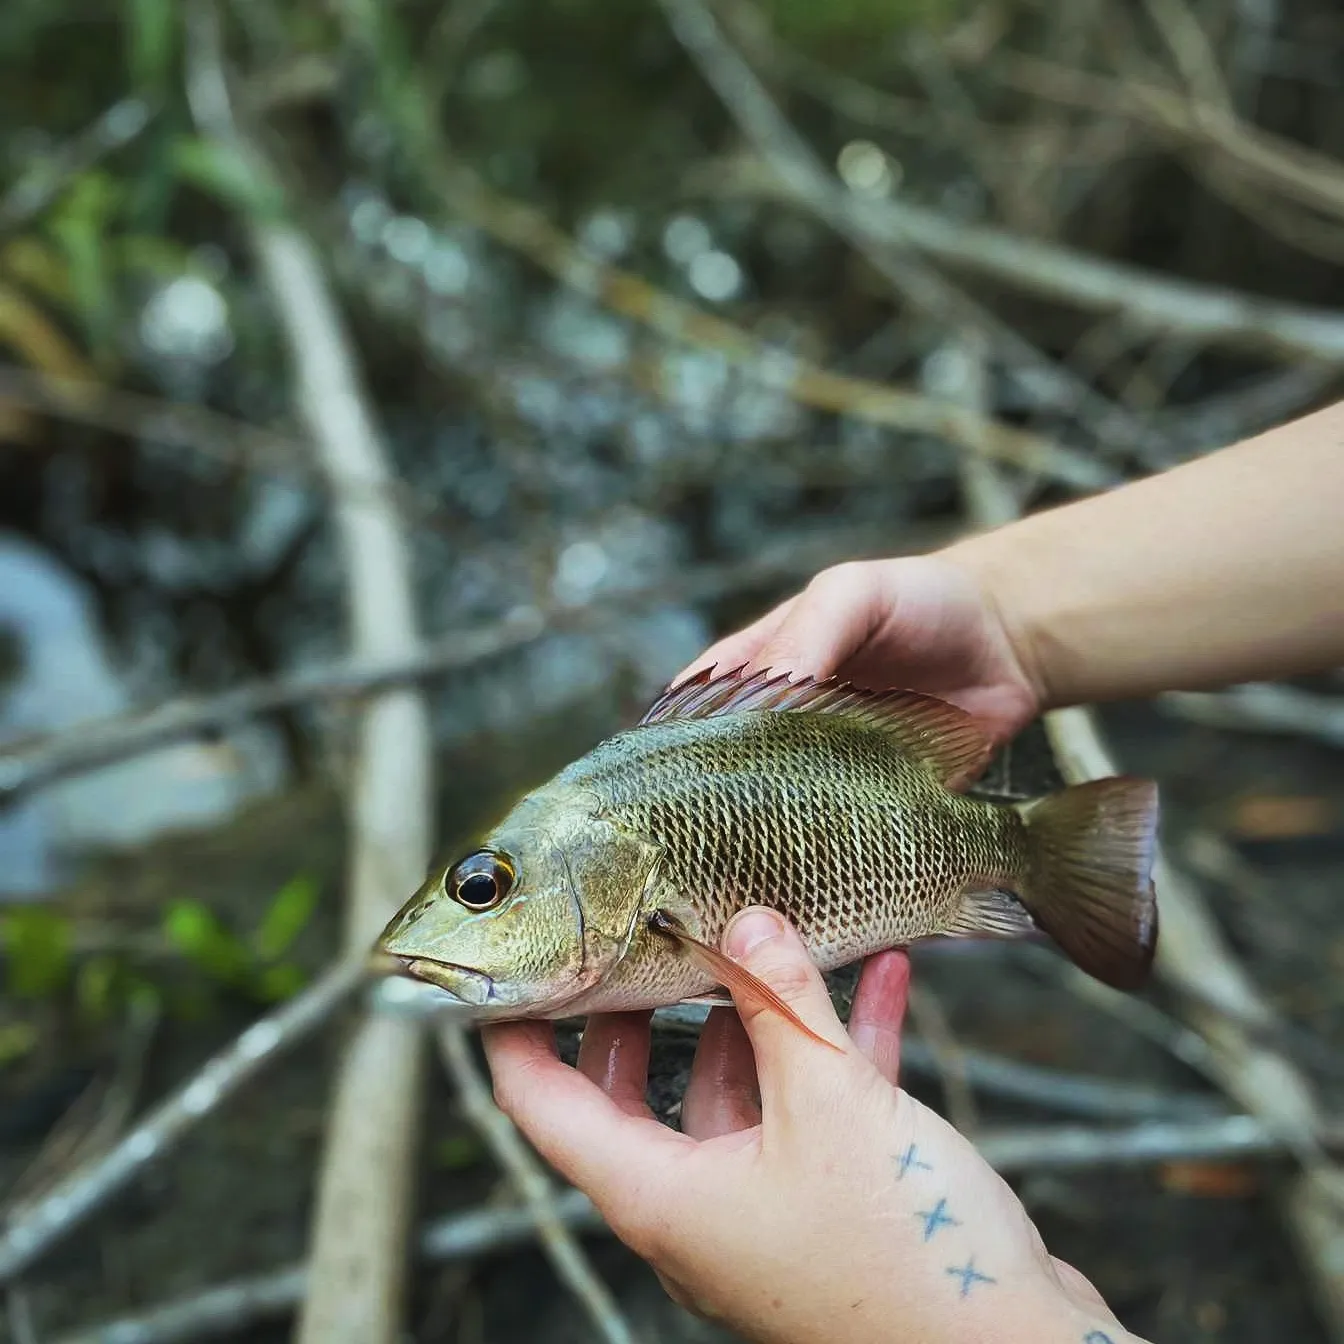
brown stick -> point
(362, 1215)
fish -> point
(607, 888)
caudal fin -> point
(1088, 880)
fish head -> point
(532, 917)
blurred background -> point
(485, 360)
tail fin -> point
(1088, 875)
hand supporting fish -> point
(607, 888)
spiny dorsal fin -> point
(945, 738)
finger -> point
(878, 1011)
(722, 1095)
(826, 624)
(614, 1053)
(741, 647)
(621, 1162)
(787, 1060)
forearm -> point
(1226, 569)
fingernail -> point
(750, 929)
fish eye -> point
(481, 880)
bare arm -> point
(1229, 568)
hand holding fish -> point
(922, 622)
(807, 1196)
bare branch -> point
(117, 127)
(27, 768)
(30, 1230)
(362, 1216)
(1262, 708)
(229, 1307)
(533, 1184)
(1149, 301)
(851, 217)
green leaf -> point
(95, 983)
(456, 1152)
(80, 226)
(221, 170)
(194, 930)
(279, 982)
(150, 43)
(290, 910)
(37, 947)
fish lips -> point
(474, 988)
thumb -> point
(786, 1058)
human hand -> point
(922, 623)
(808, 1197)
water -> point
(63, 675)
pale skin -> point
(808, 1195)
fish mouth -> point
(470, 987)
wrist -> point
(995, 564)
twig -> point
(1059, 1147)
(27, 768)
(229, 1307)
(1305, 175)
(31, 1229)
(1192, 953)
(362, 1215)
(737, 86)
(531, 233)
(1146, 299)
(1262, 708)
(949, 1059)
(535, 1187)
(20, 1313)
(217, 437)
(115, 128)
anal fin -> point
(993, 913)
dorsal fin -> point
(947, 739)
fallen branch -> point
(1262, 708)
(1012, 1080)
(27, 768)
(534, 1186)
(31, 1229)
(219, 438)
(363, 1208)
(1142, 299)
(114, 129)
(738, 88)
(229, 1307)
(1193, 955)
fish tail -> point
(1087, 878)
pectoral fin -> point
(727, 972)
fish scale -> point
(822, 818)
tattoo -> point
(969, 1276)
(1097, 1337)
(937, 1217)
(909, 1159)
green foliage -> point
(253, 966)
(458, 1152)
(37, 950)
(80, 224)
(151, 42)
(806, 20)
(223, 173)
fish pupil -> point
(479, 891)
